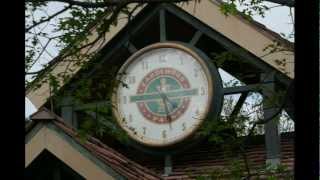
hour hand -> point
(171, 103)
(167, 112)
(163, 97)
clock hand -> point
(165, 107)
(163, 95)
(171, 103)
(167, 111)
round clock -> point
(168, 90)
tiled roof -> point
(109, 156)
(197, 161)
(205, 158)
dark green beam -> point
(242, 89)
(239, 104)
(134, 28)
(132, 48)
(272, 136)
(162, 25)
(195, 38)
(245, 55)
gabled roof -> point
(132, 164)
(250, 35)
(118, 162)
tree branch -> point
(267, 119)
(106, 3)
(47, 19)
(289, 3)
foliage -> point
(72, 26)
(98, 122)
(69, 26)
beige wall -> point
(48, 139)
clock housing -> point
(169, 89)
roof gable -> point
(47, 139)
(234, 28)
(91, 159)
(47, 165)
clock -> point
(167, 91)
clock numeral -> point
(184, 126)
(124, 98)
(130, 117)
(144, 129)
(202, 91)
(145, 65)
(131, 79)
(196, 72)
(181, 58)
(197, 112)
(164, 134)
(162, 58)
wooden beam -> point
(239, 104)
(245, 55)
(242, 89)
(132, 49)
(67, 111)
(163, 35)
(92, 105)
(56, 173)
(167, 165)
(135, 27)
(272, 137)
(195, 38)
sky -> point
(277, 19)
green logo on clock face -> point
(163, 92)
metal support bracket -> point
(167, 165)
(67, 111)
(272, 136)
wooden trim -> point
(162, 16)
(239, 104)
(195, 38)
(242, 89)
(33, 132)
(132, 48)
(51, 138)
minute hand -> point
(163, 96)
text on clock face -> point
(163, 92)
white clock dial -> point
(167, 95)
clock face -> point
(166, 96)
